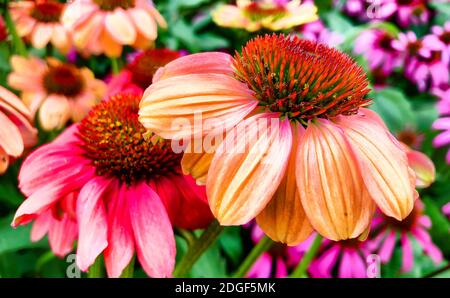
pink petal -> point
(387, 247)
(323, 266)
(262, 267)
(62, 234)
(345, 266)
(407, 253)
(10, 138)
(120, 27)
(155, 242)
(120, 248)
(41, 226)
(93, 227)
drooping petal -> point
(248, 168)
(383, 164)
(54, 112)
(10, 138)
(262, 267)
(407, 253)
(144, 23)
(121, 28)
(120, 248)
(423, 166)
(185, 201)
(284, 219)
(92, 222)
(41, 226)
(331, 189)
(4, 161)
(198, 100)
(42, 34)
(62, 234)
(387, 248)
(154, 239)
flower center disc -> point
(301, 79)
(114, 141)
(110, 5)
(64, 79)
(147, 63)
(47, 11)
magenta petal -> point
(357, 264)
(41, 226)
(154, 239)
(322, 267)
(387, 247)
(407, 253)
(281, 269)
(345, 266)
(262, 267)
(62, 234)
(93, 227)
(120, 248)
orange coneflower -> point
(105, 26)
(269, 14)
(320, 160)
(60, 91)
(40, 22)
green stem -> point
(300, 271)
(187, 235)
(115, 68)
(96, 269)
(197, 248)
(262, 246)
(19, 46)
(128, 272)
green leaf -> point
(15, 239)
(231, 243)
(440, 225)
(392, 105)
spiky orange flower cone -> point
(301, 152)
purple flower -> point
(426, 60)
(316, 31)
(376, 46)
(389, 232)
(279, 260)
(347, 258)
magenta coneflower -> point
(120, 188)
(344, 259)
(415, 227)
(376, 46)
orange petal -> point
(284, 219)
(158, 17)
(423, 167)
(42, 34)
(144, 23)
(4, 161)
(383, 164)
(121, 28)
(12, 100)
(213, 62)
(331, 188)
(10, 138)
(197, 99)
(54, 112)
(82, 36)
(231, 16)
(297, 15)
(110, 46)
(60, 39)
(248, 168)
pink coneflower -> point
(410, 12)
(446, 209)
(443, 138)
(426, 61)
(60, 91)
(40, 23)
(389, 232)
(138, 75)
(347, 258)
(300, 147)
(442, 34)
(16, 131)
(316, 31)
(366, 10)
(120, 188)
(104, 26)
(269, 14)
(376, 46)
(279, 260)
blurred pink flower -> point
(347, 258)
(16, 130)
(443, 138)
(138, 74)
(426, 60)
(316, 31)
(279, 260)
(3, 30)
(376, 46)
(446, 209)
(115, 192)
(389, 232)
